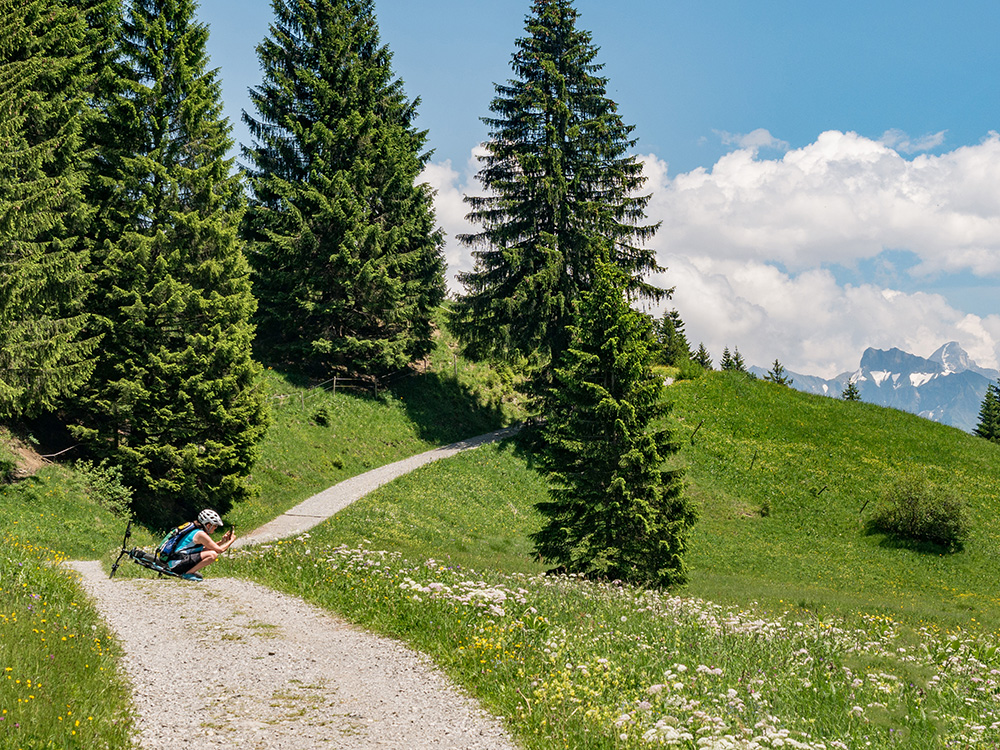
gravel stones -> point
(228, 663)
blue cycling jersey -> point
(185, 547)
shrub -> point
(915, 509)
(8, 464)
(105, 486)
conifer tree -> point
(851, 392)
(778, 375)
(615, 511)
(560, 186)
(989, 414)
(702, 357)
(670, 334)
(176, 399)
(45, 74)
(726, 363)
(348, 261)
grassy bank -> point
(819, 633)
(61, 685)
(797, 629)
(442, 564)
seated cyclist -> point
(197, 548)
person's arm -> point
(207, 542)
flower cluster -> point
(643, 669)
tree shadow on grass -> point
(444, 410)
(890, 540)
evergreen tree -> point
(670, 335)
(348, 262)
(561, 185)
(851, 392)
(777, 374)
(738, 364)
(45, 75)
(726, 363)
(732, 361)
(989, 415)
(702, 357)
(614, 510)
(176, 399)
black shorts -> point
(186, 562)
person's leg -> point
(207, 558)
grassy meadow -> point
(797, 627)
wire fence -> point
(370, 385)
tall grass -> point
(570, 663)
(61, 685)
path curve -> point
(228, 663)
(321, 506)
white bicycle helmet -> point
(209, 516)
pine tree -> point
(851, 392)
(670, 334)
(777, 374)
(614, 511)
(176, 399)
(348, 262)
(45, 73)
(702, 357)
(561, 185)
(726, 363)
(989, 414)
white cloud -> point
(450, 188)
(755, 140)
(747, 244)
(809, 322)
(900, 141)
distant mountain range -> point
(947, 387)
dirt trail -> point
(230, 664)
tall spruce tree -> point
(176, 399)
(615, 511)
(46, 72)
(989, 414)
(560, 185)
(349, 265)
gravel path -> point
(231, 664)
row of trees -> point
(133, 269)
(138, 275)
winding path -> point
(230, 664)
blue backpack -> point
(169, 544)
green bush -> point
(105, 486)
(8, 464)
(915, 509)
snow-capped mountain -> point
(947, 387)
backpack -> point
(171, 540)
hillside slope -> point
(782, 477)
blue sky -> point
(826, 173)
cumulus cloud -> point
(808, 321)
(749, 245)
(839, 200)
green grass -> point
(822, 634)
(819, 633)
(781, 478)
(54, 515)
(61, 684)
